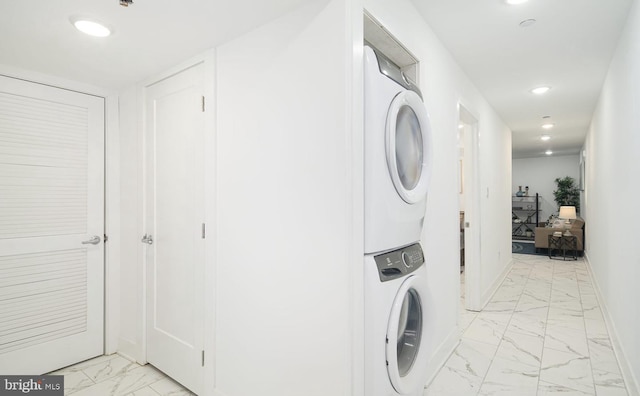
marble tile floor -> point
(113, 375)
(542, 334)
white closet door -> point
(51, 201)
(174, 219)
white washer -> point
(395, 292)
(397, 136)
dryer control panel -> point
(399, 263)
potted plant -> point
(567, 194)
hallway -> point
(543, 333)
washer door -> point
(408, 146)
(406, 358)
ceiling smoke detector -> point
(125, 3)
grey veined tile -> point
(521, 348)
(110, 368)
(563, 337)
(548, 389)
(168, 387)
(472, 357)
(487, 327)
(450, 382)
(567, 369)
(603, 357)
(609, 384)
(508, 378)
(75, 381)
(124, 384)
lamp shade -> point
(567, 212)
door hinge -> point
(204, 231)
(106, 238)
(202, 358)
(203, 104)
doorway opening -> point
(469, 202)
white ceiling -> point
(569, 48)
(150, 36)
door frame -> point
(208, 59)
(111, 188)
(471, 188)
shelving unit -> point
(525, 215)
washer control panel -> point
(399, 263)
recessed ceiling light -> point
(92, 28)
(515, 2)
(548, 152)
(545, 138)
(548, 126)
(460, 126)
(540, 90)
(527, 22)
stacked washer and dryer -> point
(397, 135)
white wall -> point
(289, 259)
(612, 184)
(444, 85)
(540, 175)
(130, 340)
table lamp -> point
(568, 213)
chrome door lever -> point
(147, 239)
(93, 241)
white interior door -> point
(174, 223)
(51, 227)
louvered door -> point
(51, 227)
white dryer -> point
(397, 137)
(395, 293)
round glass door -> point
(409, 151)
(405, 354)
(409, 332)
(409, 146)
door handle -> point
(93, 241)
(147, 239)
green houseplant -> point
(567, 194)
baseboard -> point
(130, 350)
(630, 380)
(442, 354)
(486, 297)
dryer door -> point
(406, 357)
(408, 146)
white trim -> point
(354, 121)
(182, 66)
(112, 188)
(631, 382)
(486, 297)
(472, 207)
(141, 350)
(58, 82)
(442, 354)
(211, 204)
(112, 226)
